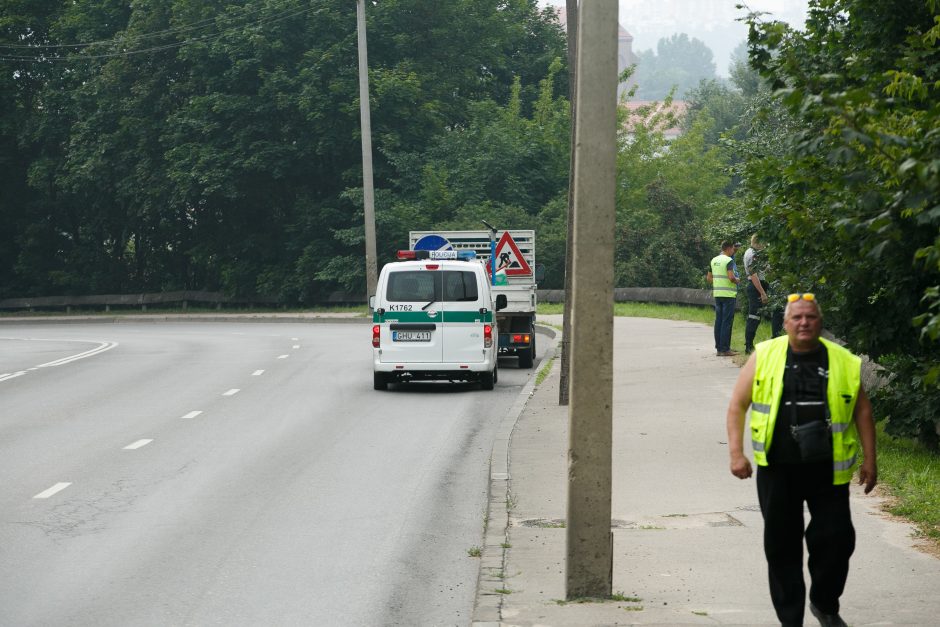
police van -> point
(433, 318)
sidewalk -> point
(687, 535)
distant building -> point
(625, 56)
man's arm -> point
(865, 422)
(731, 275)
(708, 277)
(737, 411)
(755, 280)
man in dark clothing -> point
(809, 413)
(758, 297)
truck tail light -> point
(487, 335)
(376, 335)
(521, 338)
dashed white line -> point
(257, 373)
(231, 392)
(296, 346)
(136, 445)
(283, 356)
(53, 490)
(191, 414)
(295, 339)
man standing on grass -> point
(809, 413)
(724, 282)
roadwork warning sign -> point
(509, 259)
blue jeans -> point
(724, 318)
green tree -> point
(851, 203)
(678, 63)
(210, 144)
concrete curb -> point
(160, 318)
(488, 606)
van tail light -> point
(487, 335)
(521, 338)
(376, 335)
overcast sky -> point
(712, 21)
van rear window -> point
(426, 286)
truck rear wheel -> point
(525, 357)
(379, 381)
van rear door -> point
(463, 298)
(413, 332)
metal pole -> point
(589, 540)
(368, 194)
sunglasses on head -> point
(792, 298)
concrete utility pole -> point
(368, 194)
(564, 386)
(589, 539)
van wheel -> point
(525, 358)
(488, 379)
(379, 381)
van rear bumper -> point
(427, 371)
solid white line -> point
(191, 414)
(231, 392)
(283, 356)
(257, 373)
(136, 445)
(54, 489)
(296, 346)
(7, 377)
(103, 346)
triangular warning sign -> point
(509, 258)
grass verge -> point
(909, 473)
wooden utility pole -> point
(564, 387)
(589, 540)
(365, 117)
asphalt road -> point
(236, 474)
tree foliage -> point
(678, 63)
(849, 197)
(215, 144)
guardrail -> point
(183, 299)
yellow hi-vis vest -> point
(722, 286)
(845, 371)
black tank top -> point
(804, 394)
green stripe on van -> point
(422, 316)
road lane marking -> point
(102, 347)
(257, 373)
(296, 346)
(231, 392)
(136, 445)
(283, 356)
(53, 490)
(192, 414)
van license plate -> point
(411, 336)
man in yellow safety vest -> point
(724, 280)
(809, 412)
